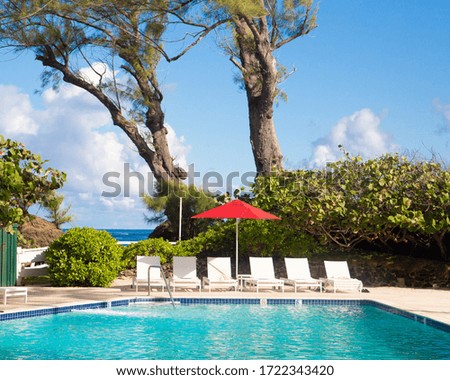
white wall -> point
(35, 256)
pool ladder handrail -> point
(165, 282)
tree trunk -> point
(266, 150)
(443, 250)
(260, 75)
(159, 159)
(163, 161)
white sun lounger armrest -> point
(343, 284)
(298, 283)
(258, 283)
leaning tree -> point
(122, 42)
(129, 38)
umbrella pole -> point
(237, 246)
(180, 218)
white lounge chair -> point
(219, 274)
(185, 273)
(14, 291)
(299, 275)
(262, 275)
(338, 277)
(143, 265)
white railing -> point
(30, 262)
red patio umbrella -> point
(236, 210)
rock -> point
(165, 231)
(39, 233)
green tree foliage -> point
(24, 181)
(84, 257)
(150, 247)
(382, 200)
(57, 214)
(166, 206)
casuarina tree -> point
(257, 29)
(122, 42)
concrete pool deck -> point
(429, 303)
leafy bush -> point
(150, 247)
(256, 237)
(218, 239)
(382, 200)
(24, 181)
(275, 238)
(84, 257)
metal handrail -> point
(165, 281)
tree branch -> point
(237, 64)
(255, 32)
(202, 35)
(302, 31)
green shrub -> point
(84, 257)
(256, 237)
(191, 247)
(275, 238)
(389, 200)
(150, 247)
(217, 239)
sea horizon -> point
(126, 234)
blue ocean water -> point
(125, 234)
(129, 235)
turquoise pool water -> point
(146, 331)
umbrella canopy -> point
(236, 210)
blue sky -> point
(374, 76)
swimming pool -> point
(226, 331)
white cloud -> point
(359, 133)
(124, 204)
(16, 113)
(74, 132)
(178, 148)
(444, 110)
(97, 73)
(85, 196)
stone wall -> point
(402, 271)
(374, 270)
(392, 271)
